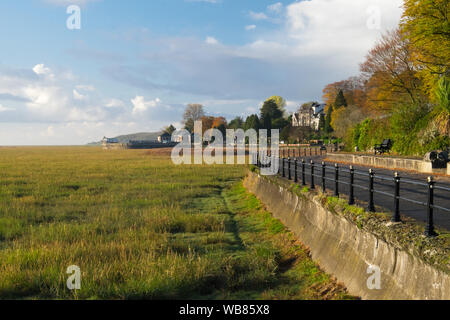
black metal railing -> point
(298, 170)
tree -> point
(209, 122)
(327, 127)
(286, 133)
(300, 134)
(169, 129)
(353, 89)
(236, 123)
(390, 74)
(345, 120)
(193, 112)
(270, 112)
(252, 122)
(442, 109)
(340, 100)
(426, 24)
(281, 103)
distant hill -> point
(142, 136)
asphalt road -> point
(416, 192)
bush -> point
(414, 129)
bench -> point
(384, 147)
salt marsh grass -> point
(140, 227)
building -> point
(165, 138)
(309, 115)
(111, 143)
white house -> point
(309, 115)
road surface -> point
(416, 192)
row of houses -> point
(308, 115)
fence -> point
(298, 170)
(286, 152)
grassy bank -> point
(140, 227)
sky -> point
(134, 65)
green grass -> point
(140, 227)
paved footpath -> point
(410, 191)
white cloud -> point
(339, 26)
(85, 87)
(140, 105)
(250, 27)
(49, 132)
(115, 103)
(4, 109)
(276, 7)
(42, 70)
(211, 40)
(258, 15)
(78, 96)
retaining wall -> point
(344, 250)
(387, 162)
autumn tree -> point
(426, 24)
(353, 89)
(345, 119)
(390, 74)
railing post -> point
(396, 217)
(303, 173)
(336, 180)
(351, 199)
(283, 171)
(323, 177)
(371, 206)
(295, 170)
(289, 152)
(310, 152)
(289, 169)
(280, 164)
(312, 176)
(429, 230)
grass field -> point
(142, 228)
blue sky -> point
(134, 65)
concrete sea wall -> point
(387, 162)
(345, 251)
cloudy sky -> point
(135, 64)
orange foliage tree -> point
(390, 75)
